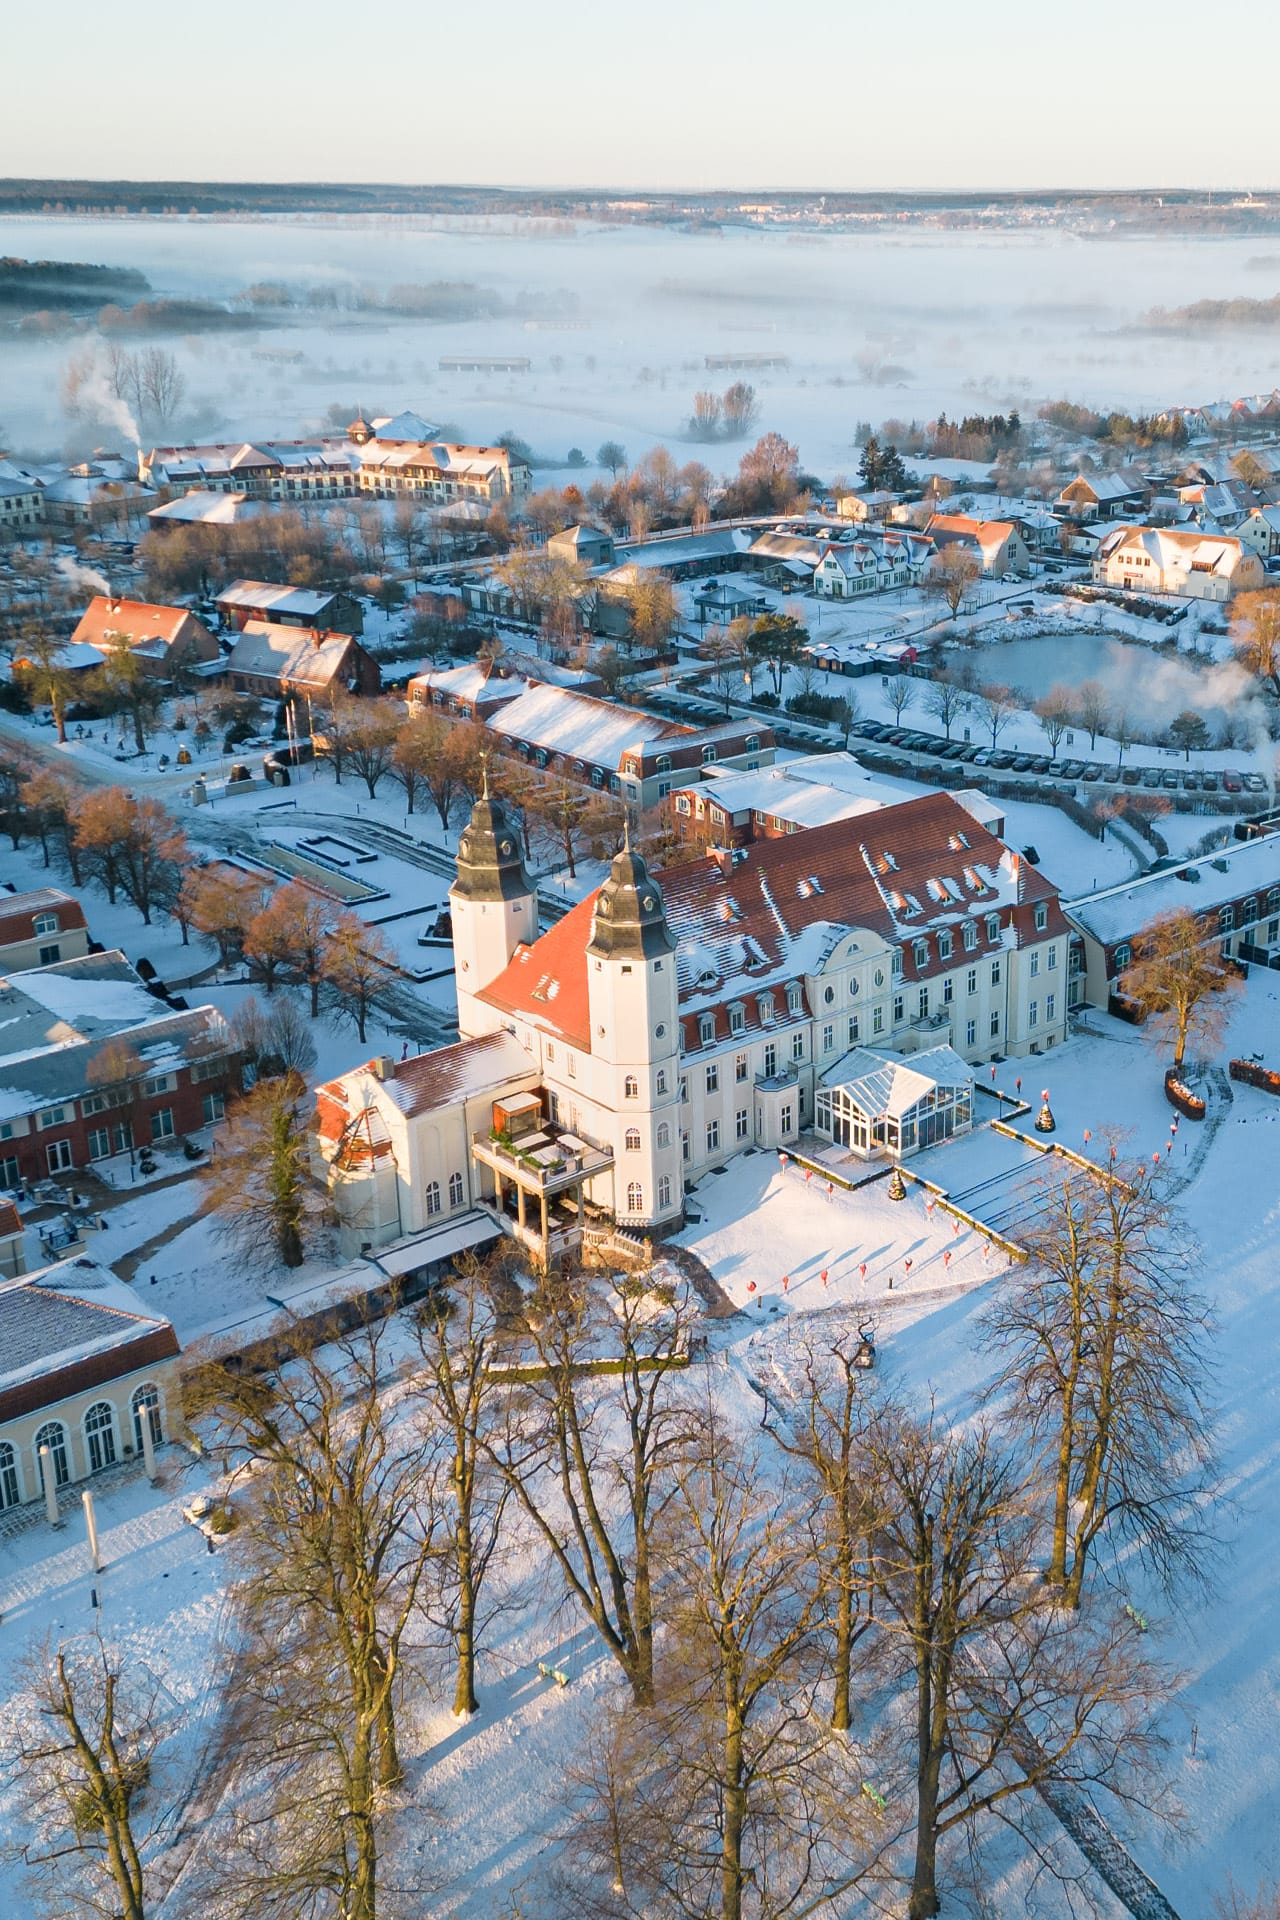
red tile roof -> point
(547, 982)
(140, 620)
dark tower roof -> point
(490, 862)
(630, 920)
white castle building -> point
(667, 1022)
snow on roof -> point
(576, 724)
(403, 426)
(298, 655)
(138, 622)
(1197, 886)
(270, 597)
(806, 800)
(470, 683)
(18, 911)
(206, 509)
(74, 1312)
(433, 1080)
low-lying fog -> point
(616, 323)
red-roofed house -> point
(996, 545)
(163, 639)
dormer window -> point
(1042, 916)
(970, 936)
(921, 953)
(944, 946)
(753, 743)
(793, 999)
(664, 763)
(993, 926)
(737, 1019)
(708, 755)
(765, 1006)
(897, 963)
(706, 1028)
(46, 923)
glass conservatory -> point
(880, 1103)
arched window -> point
(631, 1088)
(8, 1476)
(433, 1196)
(146, 1403)
(455, 1189)
(635, 1197)
(633, 1140)
(100, 1435)
(54, 1436)
(664, 1134)
(1124, 956)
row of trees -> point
(854, 1648)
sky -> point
(675, 93)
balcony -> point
(547, 1162)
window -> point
(877, 1020)
(897, 963)
(920, 953)
(158, 1083)
(635, 1197)
(993, 926)
(571, 1066)
(1123, 956)
(1053, 959)
(1035, 964)
(100, 1436)
(828, 1039)
(995, 973)
(948, 991)
(664, 1192)
(145, 1404)
(8, 1476)
(1226, 919)
(922, 1011)
(1050, 1000)
(45, 923)
(54, 1436)
(212, 1107)
(797, 1046)
(162, 1124)
(737, 1019)
(793, 999)
(765, 1007)
(713, 1136)
(661, 1081)
(944, 945)
(58, 1155)
(51, 1117)
(853, 1029)
(664, 1134)
(740, 1066)
(1042, 916)
(684, 1089)
(770, 1061)
(899, 1008)
(631, 1087)
(1033, 1014)
(995, 1025)
(50, 955)
(706, 1028)
(551, 1052)
(99, 1143)
(433, 1197)
(684, 1145)
(740, 1124)
(971, 1033)
(713, 1077)
(784, 1119)
(631, 1140)
(455, 1189)
(970, 936)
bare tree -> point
(901, 694)
(1101, 1345)
(1255, 634)
(160, 384)
(579, 1438)
(358, 965)
(457, 1334)
(952, 576)
(1054, 715)
(995, 707)
(372, 740)
(340, 1540)
(1091, 709)
(78, 1746)
(1178, 981)
(946, 700)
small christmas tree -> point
(897, 1185)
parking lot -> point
(1186, 779)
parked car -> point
(969, 754)
(982, 758)
(1191, 780)
(1093, 771)
(1255, 783)
(1041, 763)
(1002, 759)
(1151, 776)
(1071, 768)
(1232, 783)
(1210, 782)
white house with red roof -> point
(670, 1020)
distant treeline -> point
(1203, 315)
(173, 316)
(431, 300)
(59, 285)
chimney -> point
(723, 857)
(383, 1066)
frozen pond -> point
(1150, 687)
(617, 323)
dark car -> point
(1210, 782)
(1022, 763)
(1094, 772)
(1071, 768)
(952, 750)
(1191, 780)
(1001, 760)
(1131, 776)
(1041, 763)
(1171, 781)
(1151, 776)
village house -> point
(21, 506)
(88, 1378)
(996, 545)
(281, 606)
(588, 546)
(1260, 532)
(847, 568)
(93, 1065)
(874, 505)
(163, 640)
(95, 490)
(40, 928)
(671, 1020)
(279, 662)
(1193, 564)
(1115, 495)
(202, 509)
(1234, 894)
(621, 750)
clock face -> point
(647, 903)
(505, 848)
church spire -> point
(490, 862)
(630, 919)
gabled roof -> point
(299, 656)
(270, 597)
(422, 1084)
(139, 622)
(547, 982)
(560, 720)
(885, 1085)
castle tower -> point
(494, 906)
(635, 1038)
